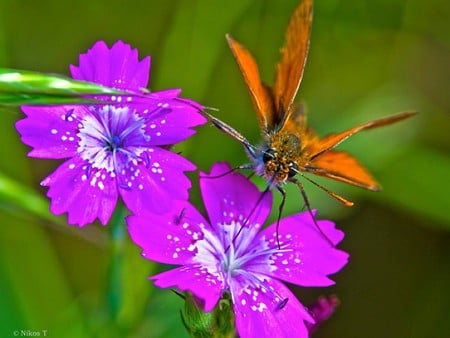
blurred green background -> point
(367, 59)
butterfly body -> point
(279, 157)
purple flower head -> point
(322, 309)
(113, 149)
(230, 253)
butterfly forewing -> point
(293, 58)
(260, 94)
(332, 140)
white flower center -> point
(107, 132)
(233, 256)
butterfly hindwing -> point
(343, 167)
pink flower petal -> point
(226, 204)
(84, 196)
(51, 131)
(260, 313)
(194, 279)
(306, 257)
(172, 121)
(167, 238)
(155, 183)
(118, 67)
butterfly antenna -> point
(308, 206)
(197, 107)
(227, 129)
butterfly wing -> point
(332, 140)
(260, 94)
(293, 58)
(343, 167)
(340, 165)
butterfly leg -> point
(308, 206)
(248, 166)
(247, 219)
(280, 211)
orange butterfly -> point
(289, 148)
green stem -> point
(118, 236)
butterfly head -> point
(277, 161)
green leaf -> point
(15, 194)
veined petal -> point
(84, 194)
(51, 131)
(195, 279)
(306, 257)
(155, 182)
(171, 120)
(118, 67)
(170, 237)
(230, 197)
(260, 313)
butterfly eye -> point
(268, 155)
(293, 169)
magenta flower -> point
(229, 255)
(113, 149)
(322, 309)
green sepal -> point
(218, 323)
